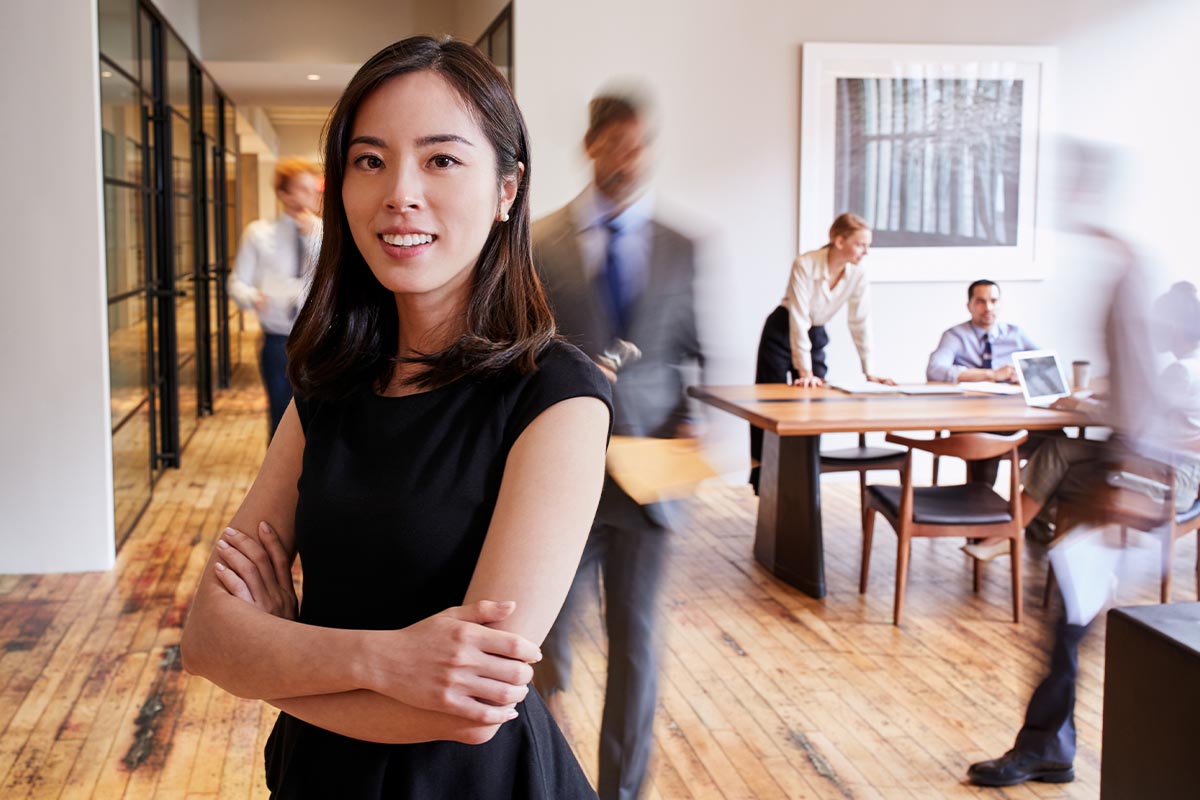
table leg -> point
(788, 538)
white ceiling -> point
(260, 52)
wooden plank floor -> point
(764, 692)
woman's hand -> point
(878, 379)
(453, 663)
(257, 571)
(807, 379)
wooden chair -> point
(971, 510)
(1100, 507)
(863, 459)
(1184, 523)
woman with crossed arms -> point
(445, 451)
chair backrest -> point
(1129, 490)
(967, 446)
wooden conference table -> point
(788, 539)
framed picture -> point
(941, 149)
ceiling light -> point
(312, 76)
(106, 74)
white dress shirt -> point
(274, 262)
(962, 348)
(592, 211)
(810, 301)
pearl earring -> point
(504, 217)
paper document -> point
(931, 388)
(1085, 566)
(864, 387)
(653, 470)
(990, 387)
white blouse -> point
(810, 300)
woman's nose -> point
(405, 192)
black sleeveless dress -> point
(396, 495)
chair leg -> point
(1049, 590)
(937, 462)
(977, 575)
(903, 551)
(1198, 566)
(868, 537)
(1168, 563)
(862, 497)
(1018, 589)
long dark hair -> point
(347, 331)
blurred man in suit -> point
(616, 275)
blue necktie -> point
(987, 351)
(614, 281)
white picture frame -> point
(935, 113)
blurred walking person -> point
(274, 262)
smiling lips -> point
(408, 239)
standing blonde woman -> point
(794, 338)
(437, 473)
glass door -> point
(125, 147)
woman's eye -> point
(443, 162)
(369, 161)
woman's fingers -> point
(489, 640)
(509, 670)
(232, 583)
(237, 561)
(482, 612)
(252, 549)
(496, 693)
(474, 710)
(280, 560)
(507, 645)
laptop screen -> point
(1041, 376)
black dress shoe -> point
(1016, 767)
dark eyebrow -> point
(424, 141)
(442, 138)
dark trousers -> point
(628, 551)
(775, 361)
(1049, 730)
(272, 364)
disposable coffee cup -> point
(1080, 372)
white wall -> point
(184, 18)
(727, 80)
(300, 139)
(472, 17)
(55, 462)
(299, 31)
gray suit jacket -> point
(649, 398)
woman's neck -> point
(425, 325)
(836, 263)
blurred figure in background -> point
(1155, 417)
(615, 275)
(273, 264)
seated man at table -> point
(980, 349)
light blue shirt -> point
(592, 210)
(961, 348)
